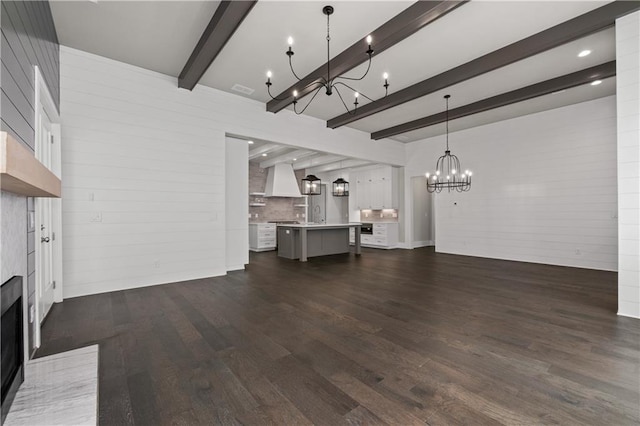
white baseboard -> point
(235, 268)
(416, 244)
(628, 316)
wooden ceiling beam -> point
(401, 26)
(573, 29)
(226, 20)
(547, 87)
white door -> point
(44, 232)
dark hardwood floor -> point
(398, 337)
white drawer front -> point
(267, 226)
(266, 233)
(380, 240)
(270, 242)
(366, 239)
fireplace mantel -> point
(21, 173)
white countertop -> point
(321, 225)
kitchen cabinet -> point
(385, 236)
(375, 188)
(262, 236)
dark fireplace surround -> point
(11, 341)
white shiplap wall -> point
(544, 188)
(143, 180)
(628, 106)
(144, 171)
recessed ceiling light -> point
(250, 142)
(584, 53)
(595, 83)
(295, 159)
(264, 155)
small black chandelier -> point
(340, 188)
(329, 82)
(311, 185)
(449, 173)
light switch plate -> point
(96, 217)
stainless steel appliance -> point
(366, 229)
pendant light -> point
(311, 185)
(340, 188)
(449, 174)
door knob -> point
(44, 239)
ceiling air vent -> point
(242, 89)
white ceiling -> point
(267, 153)
(160, 35)
(156, 35)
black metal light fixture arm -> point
(328, 82)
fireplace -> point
(11, 341)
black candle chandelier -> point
(329, 82)
(449, 173)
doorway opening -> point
(423, 213)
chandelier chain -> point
(447, 120)
(328, 51)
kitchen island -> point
(304, 240)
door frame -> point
(44, 102)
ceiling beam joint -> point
(225, 21)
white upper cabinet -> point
(375, 188)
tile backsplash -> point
(386, 215)
(275, 208)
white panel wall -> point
(143, 180)
(237, 203)
(144, 171)
(628, 106)
(544, 188)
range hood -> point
(281, 182)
